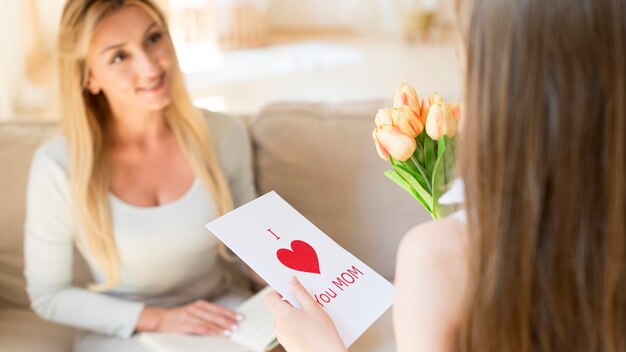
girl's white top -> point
(455, 195)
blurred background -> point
(239, 55)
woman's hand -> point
(200, 317)
(303, 330)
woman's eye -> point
(155, 37)
(118, 57)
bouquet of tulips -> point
(418, 139)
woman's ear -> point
(93, 86)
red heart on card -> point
(301, 257)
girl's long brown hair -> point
(544, 167)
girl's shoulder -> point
(431, 281)
(436, 253)
(445, 237)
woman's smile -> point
(154, 87)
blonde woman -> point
(135, 176)
(539, 263)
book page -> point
(256, 331)
(174, 342)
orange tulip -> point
(405, 120)
(383, 118)
(425, 107)
(428, 101)
(406, 95)
(391, 141)
(401, 118)
(440, 121)
(455, 109)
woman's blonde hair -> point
(544, 162)
(85, 119)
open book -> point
(255, 333)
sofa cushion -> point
(322, 160)
(23, 330)
(18, 142)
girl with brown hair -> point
(539, 264)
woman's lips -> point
(154, 88)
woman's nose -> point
(147, 65)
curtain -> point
(26, 55)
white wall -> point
(359, 15)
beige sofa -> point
(320, 158)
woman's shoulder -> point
(54, 151)
(49, 168)
(223, 127)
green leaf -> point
(443, 173)
(414, 180)
(419, 150)
(450, 159)
(441, 145)
(429, 154)
(438, 185)
(416, 174)
(392, 175)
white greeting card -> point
(276, 241)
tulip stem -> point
(423, 172)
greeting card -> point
(277, 242)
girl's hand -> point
(303, 330)
(200, 317)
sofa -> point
(319, 157)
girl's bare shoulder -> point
(431, 282)
(436, 241)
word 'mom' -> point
(343, 281)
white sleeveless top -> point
(455, 195)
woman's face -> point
(130, 61)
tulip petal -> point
(383, 117)
(425, 107)
(383, 153)
(440, 121)
(455, 109)
(399, 145)
(406, 95)
(406, 121)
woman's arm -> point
(48, 255)
(48, 270)
(430, 286)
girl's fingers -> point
(274, 301)
(302, 295)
